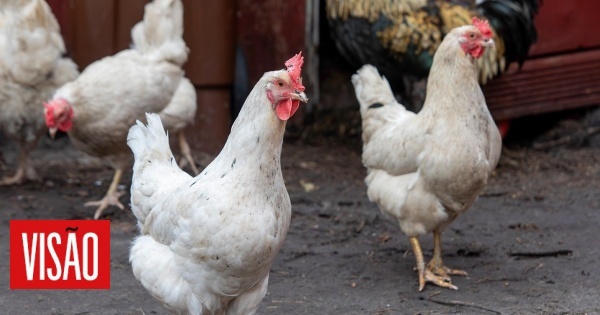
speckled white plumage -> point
(113, 92)
(424, 169)
(207, 243)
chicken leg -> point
(426, 275)
(2, 162)
(187, 153)
(436, 265)
(24, 171)
(111, 198)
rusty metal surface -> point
(546, 84)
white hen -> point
(31, 69)
(207, 243)
(98, 108)
(425, 169)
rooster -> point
(31, 69)
(425, 169)
(111, 94)
(207, 242)
(400, 37)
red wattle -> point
(286, 109)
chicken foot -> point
(24, 171)
(111, 198)
(426, 275)
(187, 153)
(436, 265)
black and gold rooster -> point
(400, 36)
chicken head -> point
(474, 39)
(58, 115)
(286, 91)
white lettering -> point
(54, 236)
(94, 239)
(29, 254)
(72, 258)
(48, 245)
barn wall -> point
(269, 33)
(94, 29)
(563, 69)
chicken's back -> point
(32, 41)
(111, 94)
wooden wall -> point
(93, 29)
(563, 69)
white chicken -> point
(207, 243)
(425, 169)
(111, 94)
(31, 69)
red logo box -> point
(59, 254)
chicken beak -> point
(52, 132)
(299, 96)
(488, 42)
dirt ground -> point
(530, 243)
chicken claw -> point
(444, 271)
(20, 177)
(436, 265)
(110, 199)
(24, 171)
(442, 281)
(17, 179)
(425, 274)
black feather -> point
(513, 21)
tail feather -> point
(155, 172)
(372, 89)
(149, 142)
(378, 106)
(160, 33)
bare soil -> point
(530, 243)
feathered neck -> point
(257, 133)
(452, 85)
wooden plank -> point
(212, 124)
(93, 28)
(61, 10)
(210, 35)
(127, 14)
(546, 84)
(565, 26)
(270, 32)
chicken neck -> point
(453, 90)
(257, 132)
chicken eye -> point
(280, 83)
(472, 35)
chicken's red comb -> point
(484, 27)
(294, 67)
